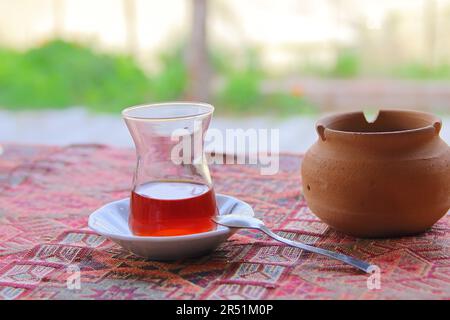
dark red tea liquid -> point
(172, 208)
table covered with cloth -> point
(47, 194)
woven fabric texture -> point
(47, 194)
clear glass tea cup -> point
(172, 192)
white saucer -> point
(111, 221)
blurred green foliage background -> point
(61, 74)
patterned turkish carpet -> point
(47, 194)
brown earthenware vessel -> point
(390, 177)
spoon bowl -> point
(239, 221)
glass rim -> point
(208, 110)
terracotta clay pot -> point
(390, 177)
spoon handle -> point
(361, 265)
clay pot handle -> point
(320, 128)
(437, 126)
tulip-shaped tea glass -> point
(172, 190)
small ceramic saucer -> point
(111, 221)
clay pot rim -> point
(323, 124)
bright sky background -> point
(270, 24)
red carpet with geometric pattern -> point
(47, 194)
